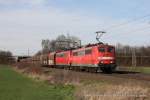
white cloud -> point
(30, 2)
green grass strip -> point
(14, 86)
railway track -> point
(117, 74)
(132, 75)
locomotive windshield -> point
(106, 49)
(110, 49)
(101, 49)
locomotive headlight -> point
(111, 61)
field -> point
(14, 86)
(31, 82)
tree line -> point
(126, 50)
(6, 57)
(132, 55)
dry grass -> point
(112, 92)
(53, 77)
(33, 75)
(65, 77)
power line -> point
(125, 23)
(138, 30)
(141, 29)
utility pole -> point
(28, 52)
(133, 57)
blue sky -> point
(112, 8)
(24, 23)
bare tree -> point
(62, 42)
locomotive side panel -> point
(84, 57)
(63, 58)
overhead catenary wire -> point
(141, 29)
(137, 30)
(130, 21)
(126, 23)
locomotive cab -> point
(106, 58)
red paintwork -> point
(63, 58)
(95, 58)
(85, 59)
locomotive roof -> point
(86, 46)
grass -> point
(15, 86)
(145, 70)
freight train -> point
(93, 57)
